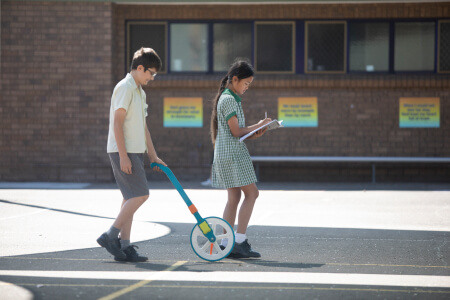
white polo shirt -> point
(129, 96)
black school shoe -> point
(111, 245)
(132, 255)
(243, 250)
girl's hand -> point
(265, 121)
(125, 164)
(260, 133)
(159, 161)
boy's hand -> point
(125, 164)
(159, 161)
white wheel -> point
(212, 251)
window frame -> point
(438, 33)
(390, 44)
(294, 45)
(209, 46)
(392, 57)
(299, 50)
(252, 46)
(128, 36)
(345, 54)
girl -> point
(232, 167)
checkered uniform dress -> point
(232, 166)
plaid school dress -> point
(232, 166)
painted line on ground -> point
(332, 238)
(141, 283)
(386, 265)
(297, 288)
(149, 286)
(54, 258)
(428, 281)
(253, 262)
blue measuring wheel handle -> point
(210, 250)
(200, 221)
(174, 181)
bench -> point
(351, 159)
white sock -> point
(240, 237)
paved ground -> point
(317, 241)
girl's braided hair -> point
(242, 69)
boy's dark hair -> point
(147, 57)
(241, 68)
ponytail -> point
(241, 68)
(214, 123)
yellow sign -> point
(419, 112)
(298, 111)
(183, 112)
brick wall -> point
(60, 62)
(358, 114)
(352, 122)
(56, 65)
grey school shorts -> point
(134, 184)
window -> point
(147, 34)
(325, 47)
(231, 41)
(444, 47)
(188, 47)
(275, 47)
(373, 45)
(369, 47)
(414, 46)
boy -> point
(128, 140)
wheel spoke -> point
(223, 236)
(217, 247)
(206, 245)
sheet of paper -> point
(274, 124)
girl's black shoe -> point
(243, 250)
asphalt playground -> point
(318, 241)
